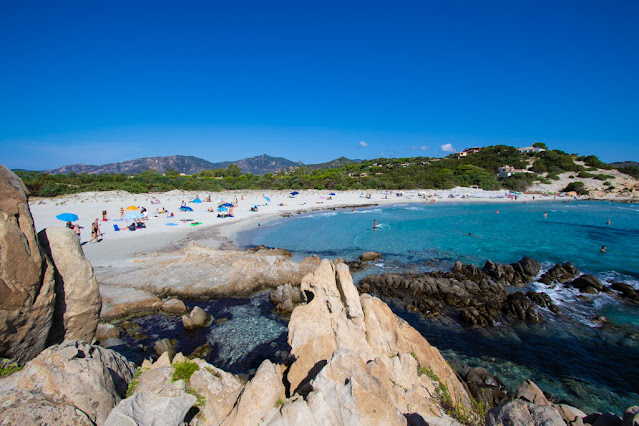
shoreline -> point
(164, 233)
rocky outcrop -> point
(71, 383)
(27, 286)
(195, 272)
(338, 334)
(477, 295)
(78, 302)
(286, 298)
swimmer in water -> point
(603, 249)
(497, 212)
(608, 223)
(476, 236)
(545, 215)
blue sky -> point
(97, 82)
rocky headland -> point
(484, 296)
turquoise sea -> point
(577, 356)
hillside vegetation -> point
(478, 169)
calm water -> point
(571, 355)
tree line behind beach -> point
(473, 170)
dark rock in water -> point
(520, 412)
(517, 274)
(561, 273)
(587, 280)
(476, 294)
(487, 388)
(626, 290)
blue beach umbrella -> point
(226, 205)
(67, 217)
(222, 209)
(186, 209)
(294, 193)
(332, 193)
(267, 199)
(134, 215)
(197, 200)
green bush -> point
(183, 371)
(577, 187)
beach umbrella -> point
(131, 208)
(186, 209)
(222, 209)
(226, 205)
(267, 199)
(294, 193)
(67, 217)
(332, 193)
(197, 200)
(134, 215)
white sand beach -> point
(173, 232)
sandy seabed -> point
(164, 232)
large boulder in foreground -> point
(356, 360)
(71, 383)
(78, 302)
(26, 276)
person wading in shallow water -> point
(374, 223)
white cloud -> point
(363, 144)
(448, 147)
(420, 148)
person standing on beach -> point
(121, 212)
(95, 231)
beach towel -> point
(172, 224)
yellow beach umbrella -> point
(131, 208)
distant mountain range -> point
(258, 165)
(625, 164)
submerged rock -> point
(27, 284)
